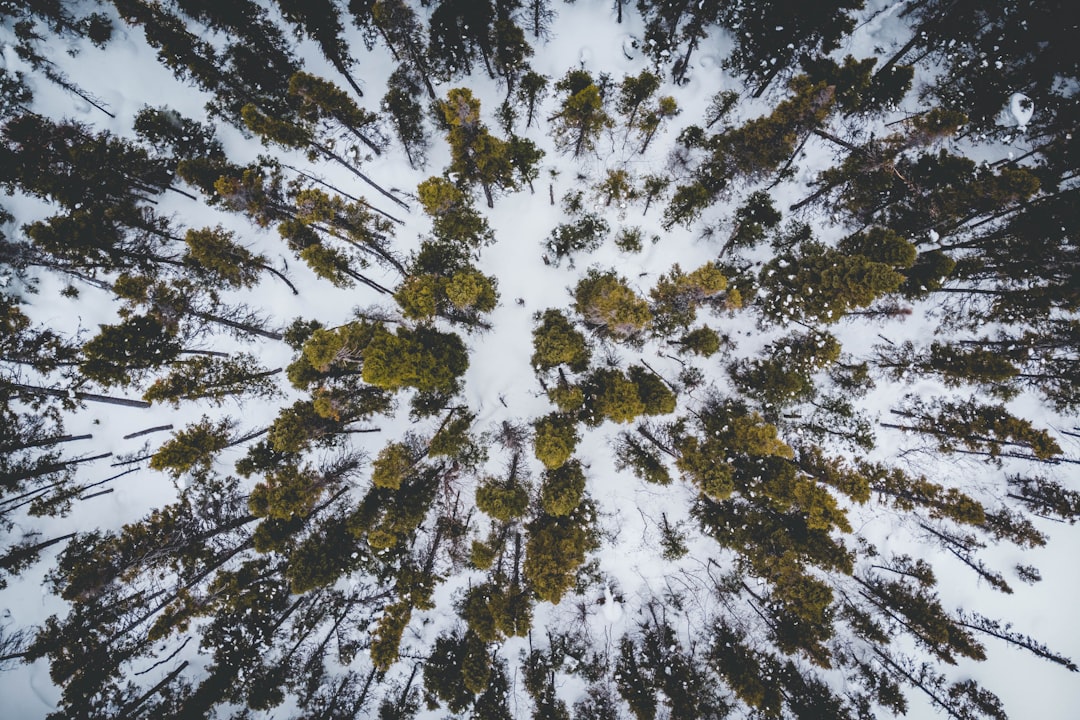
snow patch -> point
(1021, 108)
(613, 611)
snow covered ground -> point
(500, 384)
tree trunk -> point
(46, 469)
(369, 282)
(77, 395)
(351, 168)
(57, 440)
(344, 194)
(242, 327)
(891, 62)
(339, 65)
(767, 80)
(126, 712)
(789, 163)
(14, 557)
(204, 353)
(915, 682)
(278, 275)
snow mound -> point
(613, 610)
(1021, 108)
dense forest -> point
(537, 359)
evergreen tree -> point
(678, 295)
(584, 235)
(770, 38)
(321, 21)
(318, 99)
(784, 374)
(656, 397)
(984, 429)
(816, 283)
(703, 341)
(555, 439)
(611, 395)
(555, 549)
(424, 358)
(502, 500)
(121, 353)
(476, 155)
(214, 379)
(674, 31)
(407, 116)
(858, 88)
(193, 448)
(751, 151)
(213, 251)
(581, 116)
(607, 303)
(459, 32)
(563, 488)
(454, 219)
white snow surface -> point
(500, 384)
(1022, 109)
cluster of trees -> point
(302, 569)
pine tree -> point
(458, 32)
(563, 488)
(392, 465)
(407, 116)
(454, 219)
(634, 92)
(502, 500)
(816, 283)
(611, 395)
(443, 673)
(213, 379)
(703, 341)
(606, 302)
(213, 251)
(752, 150)
(321, 21)
(193, 448)
(656, 397)
(678, 295)
(770, 38)
(400, 29)
(287, 493)
(424, 358)
(634, 683)
(555, 549)
(557, 342)
(645, 462)
(121, 353)
(318, 99)
(581, 116)
(530, 92)
(555, 439)
(477, 156)
(582, 236)
(784, 374)
(983, 429)
(673, 28)
(753, 219)
(858, 88)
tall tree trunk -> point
(77, 395)
(278, 275)
(242, 327)
(133, 706)
(351, 168)
(56, 440)
(14, 557)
